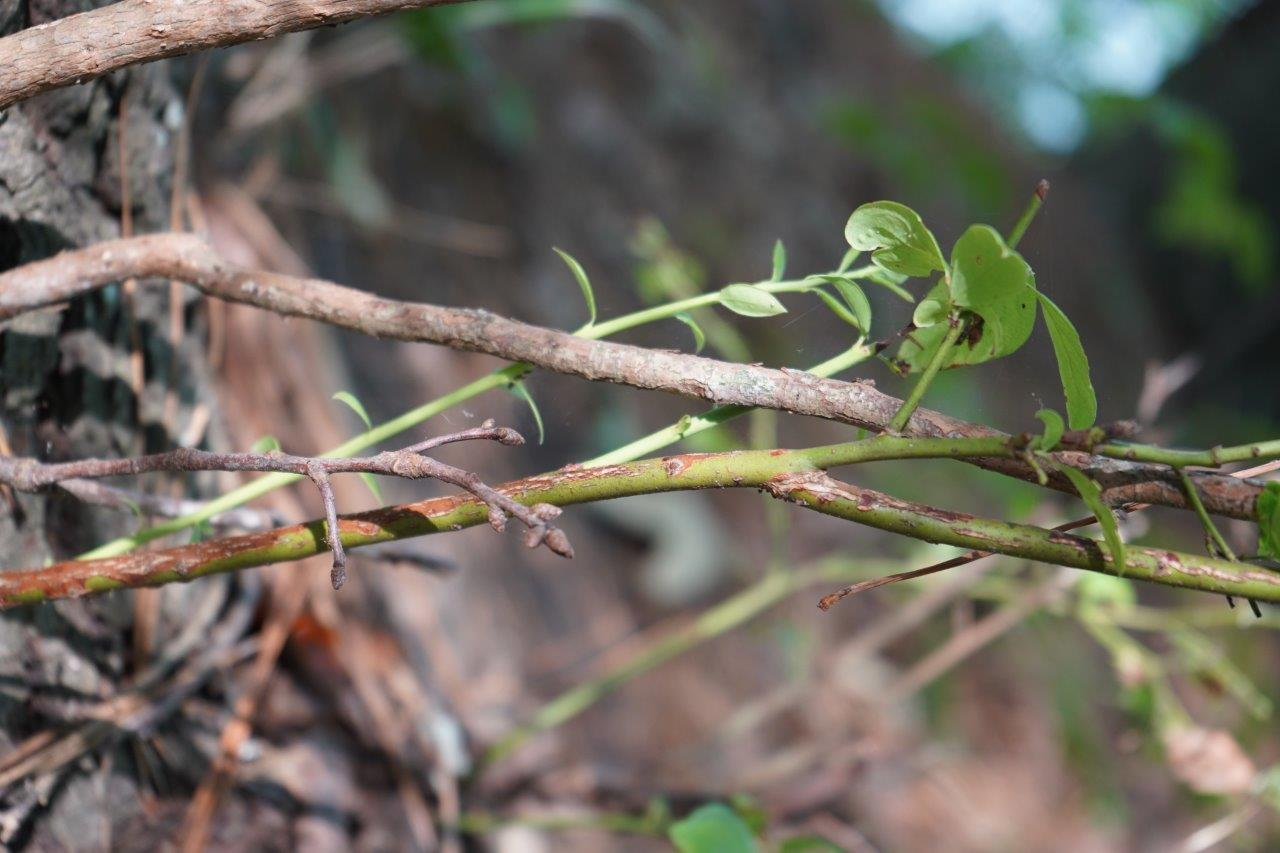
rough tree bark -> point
(66, 391)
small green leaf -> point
(1091, 494)
(779, 261)
(371, 483)
(1073, 366)
(929, 312)
(750, 301)
(857, 301)
(355, 406)
(896, 237)
(1053, 428)
(522, 392)
(1269, 520)
(699, 338)
(847, 261)
(266, 444)
(713, 828)
(581, 275)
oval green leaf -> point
(1073, 366)
(713, 828)
(750, 301)
(896, 237)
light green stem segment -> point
(1024, 221)
(498, 379)
(1212, 458)
(908, 407)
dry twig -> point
(30, 475)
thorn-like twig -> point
(31, 475)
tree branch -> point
(84, 46)
(794, 475)
(187, 258)
(31, 475)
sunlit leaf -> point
(1073, 366)
(581, 275)
(750, 301)
(779, 261)
(713, 828)
(1091, 494)
(699, 337)
(994, 282)
(355, 406)
(991, 281)
(1053, 429)
(896, 237)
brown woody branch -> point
(31, 475)
(187, 258)
(784, 474)
(84, 46)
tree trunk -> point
(69, 388)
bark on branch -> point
(793, 475)
(84, 46)
(188, 258)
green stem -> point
(1028, 214)
(792, 475)
(936, 361)
(1212, 458)
(1193, 498)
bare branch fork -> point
(188, 258)
(30, 475)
